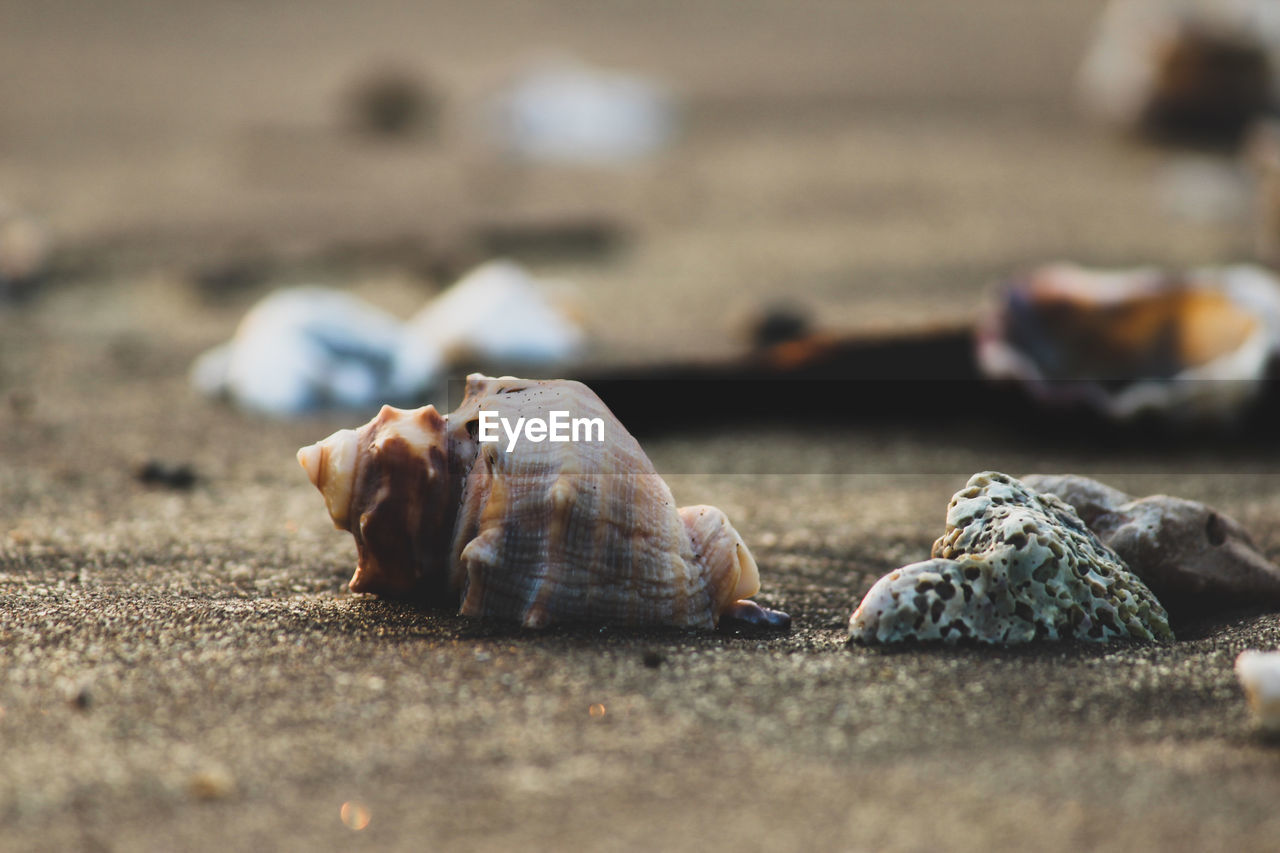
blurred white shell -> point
(25, 249)
(1193, 347)
(309, 348)
(306, 348)
(544, 532)
(1259, 674)
(497, 312)
(568, 112)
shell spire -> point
(330, 466)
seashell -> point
(309, 348)
(1192, 69)
(499, 313)
(568, 112)
(25, 251)
(1192, 556)
(306, 348)
(1135, 342)
(1013, 566)
(537, 532)
(1259, 674)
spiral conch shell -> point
(533, 531)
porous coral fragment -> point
(1013, 566)
(1194, 557)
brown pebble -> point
(22, 403)
(173, 475)
(392, 102)
(212, 783)
(80, 698)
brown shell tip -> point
(429, 416)
(537, 617)
(476, 384)
(387, 414)
(370, 577)
(748, 616)
(311, 458)
(359, 582)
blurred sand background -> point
(185, 669)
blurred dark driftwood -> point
(923, 379)
(819, 377)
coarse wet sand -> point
(184, 668)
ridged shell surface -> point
(538, 532)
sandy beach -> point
(185, 669)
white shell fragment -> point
(1259, 674)
(305, 348)
(1191, 347)
(1013, 566)
(571, 113)
(1187, 68)
(537, 532)
(25, 250)
(497, 312)
(309, 348)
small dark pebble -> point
(778, 324)
(587, 236)
(392, 102)
(80, 698)
(653, 659)
(22, 403)
(172, 475)
(230, 277)
(747, 617)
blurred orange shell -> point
(1192, 347)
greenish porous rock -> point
(1196, 559)
(1013, 566)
